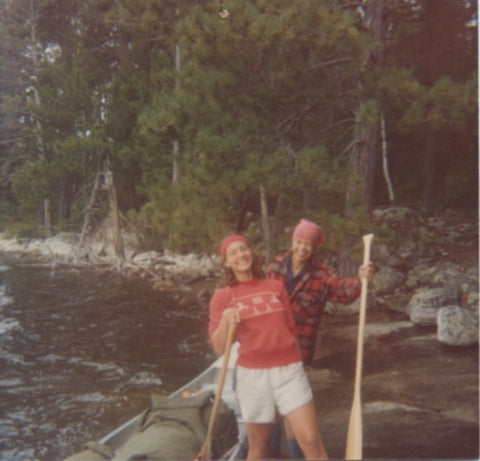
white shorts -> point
(263, 393)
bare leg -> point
(288, 430)
(258, 441)
(293, 448)
(303, 422)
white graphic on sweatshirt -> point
(258, 304)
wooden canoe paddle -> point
(205, 452)
(355, 431)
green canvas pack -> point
(175, 429)
(171, 429)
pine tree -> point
(261, 93)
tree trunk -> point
(91, 208)
(265, 223)
(176, 142)
(366, 135)
(434, 32)
(240, 226)
(360, 186)
(430, 173)
(117, 240)
(46, 209)
(65, 200)
(274, 214)
(47, 218)
(359, 196)
(386, 172)
(175, 161)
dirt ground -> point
(419, 398)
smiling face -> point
(302, 250)
(239, 258)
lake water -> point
(82, 351)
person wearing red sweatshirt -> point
(271, 379)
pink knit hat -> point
(307, 230)
(227, 241)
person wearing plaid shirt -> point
(310, 284)
(309, 292)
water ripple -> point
(81, 353)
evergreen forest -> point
(199, 118)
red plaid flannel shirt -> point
(317, 285)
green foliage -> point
(181, 219)
(368, 113)
(445, 105)
(271, 96)
(31, 184)
(244, 104)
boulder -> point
(398, 218)
(384, 256)
(146, 258)
(404, 252)
(386, 280)
(425, 303)
(457, 326)
(440, 275)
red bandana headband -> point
(307, 230)
(227, 241)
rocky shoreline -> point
(429, 270)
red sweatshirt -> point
(266, 332)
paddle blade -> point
(355, 434)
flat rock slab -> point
(420, 398)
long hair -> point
(228, 276)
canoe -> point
(205, 381)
